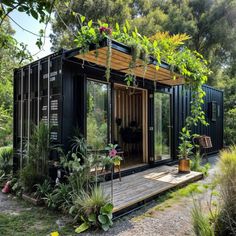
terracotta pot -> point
(184, 165)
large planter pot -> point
(184, 165)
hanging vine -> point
(162, 47)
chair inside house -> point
(131, 137)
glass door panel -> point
(162, 128)
(97, 115)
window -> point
(214, 110)
(162, 126)
(97, 115)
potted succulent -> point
(185, 149)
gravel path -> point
(173, 220)
(10, 204)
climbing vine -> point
(162, 47)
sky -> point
(29, 23)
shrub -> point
(16, 186)
(226, 224)
(201, 223)
(43, 189)
(37, 152)
(63, 197)
(38, 149)
(29, 178)
(223, 220)
(195, 164)
(6, 154)
(94, 209)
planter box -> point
(32, 200)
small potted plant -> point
(185, 149)
(112, 153)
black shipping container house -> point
(68, 91)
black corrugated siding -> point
(68, 88)
(181, 108)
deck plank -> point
(143, 185)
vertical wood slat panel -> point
(128, 108)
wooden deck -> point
(138, 187)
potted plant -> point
(185, 149)
(112, 153)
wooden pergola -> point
(120, 59)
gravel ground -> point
(10, 204)
(174, 220)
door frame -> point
(144, 117)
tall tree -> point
(13, 55)
(10, 57)
(67, 17)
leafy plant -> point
(50, 200)
(62, 196)
(43, 145)
(43, 189)
(38, 149)
(79, 145)
(16, 187)
(112, 153)
(29, 178)
(195, 164)
(79, 163)
(93, 209)
(185, 147)
(6, 154)
(37, 153)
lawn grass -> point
(33, 222)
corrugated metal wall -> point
(36, 87)
(181, 108)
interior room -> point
(129, 128)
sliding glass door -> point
(162, 126)
(97, 115)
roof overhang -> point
(120, 60)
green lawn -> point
(33, 222)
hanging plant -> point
(108, 60)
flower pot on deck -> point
(184, 165)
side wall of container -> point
(181, 108)
(37, 97)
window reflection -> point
(162, 126)
(97, 128)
